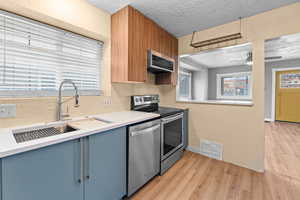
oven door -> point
(171, 135)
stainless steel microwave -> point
(159, 63)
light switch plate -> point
(7, 110)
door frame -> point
(273, 103)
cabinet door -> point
(45, 174)
(106, 166)
(186, 128)
(137, 49)
(0, 179)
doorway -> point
(282, 106)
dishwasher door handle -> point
(144, 131)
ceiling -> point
(282, 48)
(223, 57)
(182, 17)
(287, 47)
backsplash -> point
(43, 109)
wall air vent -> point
(211, 149)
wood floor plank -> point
(196, 177)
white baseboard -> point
(197, 150)
(193, 149)
(268, 120)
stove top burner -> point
(150, 103)
(167, 111)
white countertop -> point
(8, 145)
(221, 102)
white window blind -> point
(35, 58)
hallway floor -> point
(198, 177)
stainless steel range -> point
(171, 147)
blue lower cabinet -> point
(93, 168)
(45, 174)
(106, 166)
(0, 179)
(186, 128)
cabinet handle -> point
(87, 154)
(81, 154)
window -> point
(35, 58)
(290, 80)
(234, 86)
(185, 82)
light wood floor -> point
(197, 177)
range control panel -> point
(144, 99)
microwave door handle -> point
(144, 131)
(169, 119)
(161, 68)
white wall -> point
(199, 85)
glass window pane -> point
(235, 86)
(291, 80)
(184, 85)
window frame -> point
(190, 86)
(66, 92)
(236, 74)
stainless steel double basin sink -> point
(37, 132)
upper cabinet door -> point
(137, 70)
(45, 174)
(133, 35)
(106, 168)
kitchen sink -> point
(34, 133)
(37, 133)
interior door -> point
(288, 96)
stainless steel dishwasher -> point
(143, 154)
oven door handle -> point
(173, 118)
(145, 131)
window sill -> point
(219, 102)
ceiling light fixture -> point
(218, 40)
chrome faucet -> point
(61, 116)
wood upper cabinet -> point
(133, 35)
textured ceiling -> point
(223, 57)
(287, 47)
(284, 48)
(182, 17)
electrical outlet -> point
(7, 110)
(107, 102)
